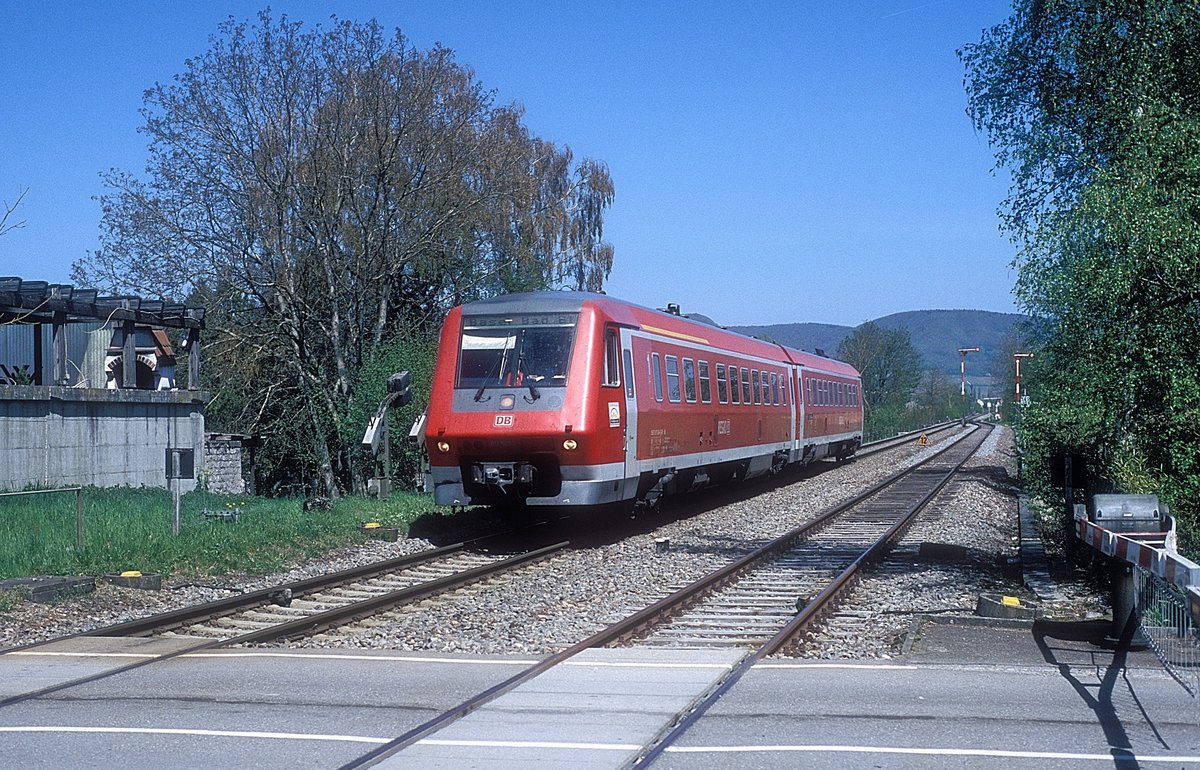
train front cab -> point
(528, 405)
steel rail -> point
(815, 608)
(166, 621)
(342, 615)
(337, 616)
(632, 625)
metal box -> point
(1128, 513)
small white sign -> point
(504, 421)
(614, 414)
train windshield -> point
(531, 351)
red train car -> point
(577, 399)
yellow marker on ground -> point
(1011, 601)
(131, 573)
(371, 525)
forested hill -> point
(936, 334)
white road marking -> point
(998, 753)
(183, 731)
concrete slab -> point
(596, 710)
(36, 668)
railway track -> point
(305, 607)
(765, 600)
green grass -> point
(130, 529)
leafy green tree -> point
(1094, 108)
(325, 191)
(891, 370)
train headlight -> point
(443, 446)
(570, 445)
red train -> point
(577, 399)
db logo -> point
(504, 421)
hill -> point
(936, 334)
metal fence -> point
(1165, 618)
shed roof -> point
(37, 302)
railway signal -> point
(1017, 358)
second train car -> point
(578, 399)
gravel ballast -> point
(553, 604)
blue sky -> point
(773, 162)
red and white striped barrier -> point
(1145, 549)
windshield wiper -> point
(534, 394)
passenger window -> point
(774, 389)
(628, 360)
(656, 372)
(689, 380)
(785, 384)
(766, 390)
(754, 386)
(811, 402)
(735, 393)
(673, 379)
(722, 385)
(705, 384)
(612, 373)
(745, 386)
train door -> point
(631, 411)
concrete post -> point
(1126, 629)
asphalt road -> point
(1029, 696)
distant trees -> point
(890, 368)
(1094, 107)
(325, 194)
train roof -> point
(652, 320)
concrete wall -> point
(51, 437)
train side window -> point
(628, 360)
(705, 384)
(841, 394)
(785, 384)
(735, 393)
(689, 380)
(612, 355)
(768, 390)
(745, 386)
(754, 386)
(656, 371)
(810, 393)
(772, 389)
(722, 385)
(673, 379)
